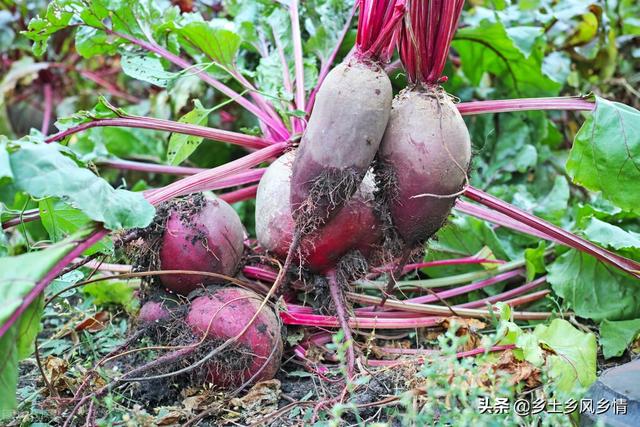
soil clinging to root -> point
(142, 245)
(172, 333)
(330, 190)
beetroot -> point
(201, 234)
(152, 311)
(342, 137)
(224, 314)
(347, 123)
(426, 150)
(355, 227)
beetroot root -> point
(354, 227)
(340, 142)
(223, 315)
(425, 155)
(152, 311)
(208, 237)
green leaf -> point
(615, 337)
(575, 354)
(56, 18)
(181, 146)
(553, 207)
(529, 344)
(18, 275)
(463, 236)
(219, 45)
(557, 65)
(524, 38)
(147, 68)
(606, 154)
(8, 373)
(121, 293)
(42, 171)
(611, 236)
(60, 220)
(5, 166)
(534, 260)
(593, 289)
(92, 42)
(29, 327)
(514, 61)
(526, 159)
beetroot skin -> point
(354, 227)
(340, 142)
(152, 311)
(223, 315)
(426, 149)
(208, 238)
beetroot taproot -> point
(153, 311)
(355, 227)
(226, 313)
(347, 122)
(340, 142)
(205, 235)
(426, 151)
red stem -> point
(31, 296)
(24, 217)
(526, 299)
(240, 195)
(204, 180)
(337, 295)
(248, 141)
(259, 273)
(442, 263)
(565, 237)
(48, 108)
(500, 219)
(291, 318)
(148, 167)
(570, 103)
(277, 126)
(297, 54)
(377, 28)
(460, 290)
(426, 38)
(506, 295)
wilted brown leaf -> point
(261, 400)
(55, 370)
(518, 370)
(94, 323)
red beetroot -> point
(427, 149)
(223, 315)
(347, 123)
(152, 311)
(204, 236)
(425, 152)
(355, 227)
